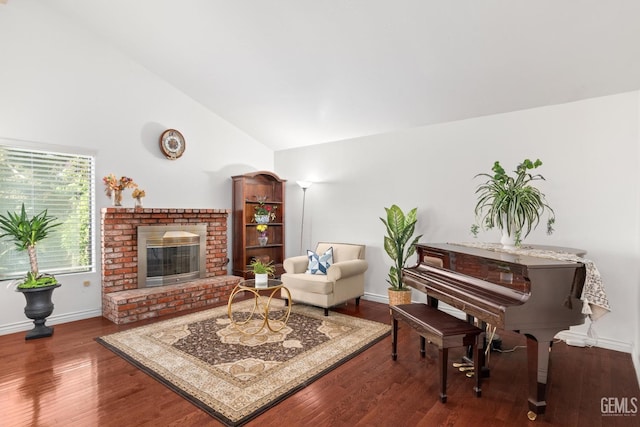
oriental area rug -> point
(235, 376)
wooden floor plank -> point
(70, 380)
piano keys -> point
(536, 297)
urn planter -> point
(39, 307)
(26, 231)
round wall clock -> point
(172, 144)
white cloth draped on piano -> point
(594, 298)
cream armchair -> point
(344, 279)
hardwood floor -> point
(70, 380)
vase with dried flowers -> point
(262, 234)
(264, 213)
(137, 196)
(115, 187)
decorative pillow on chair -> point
(319, 264)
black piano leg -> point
(482, 344)
(477, 368)
(443, 357)
(537, 370)
(432, 302)
(394, 339)
(471, 319)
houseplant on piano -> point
(511, 204)
(399, 245)
(36, 287)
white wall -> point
(591, 162)
(61, 86)
(636, 350)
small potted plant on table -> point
(36, 287)
(262, 271)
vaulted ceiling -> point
(299, 72)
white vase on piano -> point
(508, 241)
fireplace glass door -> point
(170, 254)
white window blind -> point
(62, 184)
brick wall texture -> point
(122, 301)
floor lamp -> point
(304, 185)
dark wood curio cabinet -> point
(248, 191)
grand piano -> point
(536, 297)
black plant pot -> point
(39, 307)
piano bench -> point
(442, 330)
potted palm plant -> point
(262, 271)
(399, 245)
(512, 204)
(36, 287)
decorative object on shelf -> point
(262, 271)
(263, 258)
(264, 213)
(172, 144)
(400, 229)
(304, 185)
(138, 195)
(261, 219)
(262, 236)
(36, 287)
(511, 204)
(115, 187)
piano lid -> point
(494, 252)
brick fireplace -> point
(123, 301)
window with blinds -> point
(62, 184)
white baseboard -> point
(376, 298)
(54, 319)
(582, 340)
